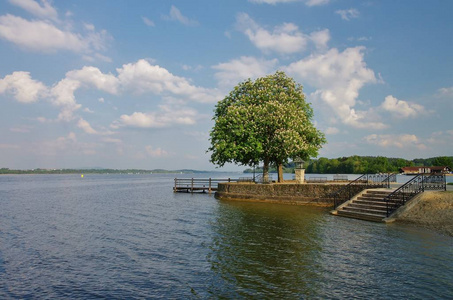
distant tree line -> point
(94, 171)
(364, 164)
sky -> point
(134, 84)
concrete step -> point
(379, 212)
(370, 198)
(372, 202)
(379, 193)
(377, 206)
(361, 216)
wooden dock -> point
(203, 185)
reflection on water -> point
(262, 249)
(123, 237)
(266, 250)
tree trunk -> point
(280, 172)
(266, 170)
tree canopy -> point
(266, 120)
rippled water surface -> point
(130, 236)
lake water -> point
(130, 236)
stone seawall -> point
(295, 194)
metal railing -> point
(198, 184)
(359, 184)
(410, 189)
(260, 179)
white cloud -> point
(166, 117)
(43, 36)
(44, 10)
(320, 38)
(401, 108)
(85, 126)
(316, 2)
(148, 22)
(338, 77)
(406, 141)
(307, 2)
(63, 96)
(102, 100)
(332, 130)
(284, 39)
(231, 73)
(22, 87)
(141, 77)
(92, 76)
(156, 152)
(446, 92)
(176, 15)
(63, 92)
(348, 14)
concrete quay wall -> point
(283, 193)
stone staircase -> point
(367, 206)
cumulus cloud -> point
(158, 152)
(399, 141)
(92, 76)
(43, 36)
(44, 10)
(283, 39)
(401, 108)
(320, 38)
(338, 77)
(307, 2)
(348, 14)
(167, 116)
(23, 88)
(141, 77)
(63, 96)
(236, 70)
(85, 126)
(176, 15)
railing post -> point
(174, 189)
(209, 186)
(423, 180)
(191, 190)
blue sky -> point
(133, 84)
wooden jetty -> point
(203, 185)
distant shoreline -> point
(100, 171)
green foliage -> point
(266, 120)
(368, 164)
(443, 161)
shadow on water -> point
(265, 250)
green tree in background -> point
(266, 120)
(443, 161)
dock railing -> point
(190, 185)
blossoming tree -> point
(266, 120)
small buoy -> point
(81, 176)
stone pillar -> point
(300, 175)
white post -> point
(300, 175)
